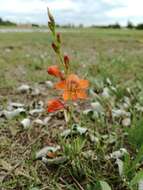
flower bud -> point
(51, 17)
(54, 70)
(59, 38)
(55, 105)
(55, 47)
(66, 61)
(51, 27)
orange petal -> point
(82, 94)
(60, 85)
(66, 96)
(54, 70)
(83, 83)
(74, 96)
(55, 105)
(70, 96)
(73, 77)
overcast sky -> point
(86, 12)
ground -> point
(95, 54)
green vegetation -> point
(6, 23)
(105, 53)
(96, 54)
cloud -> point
(129, 9)
(73, 11)
(29, 6)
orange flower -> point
(55, 105)
(54, 70)
(73, 87)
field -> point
(107, 58)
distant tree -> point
(115, 26)
(139, 26)
(81, 26)
(130, 25)
(6, 23)
(35, 25)
(58, 26)
(68, 26)
(1, 21)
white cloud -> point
(73, 11)
(127, 8)
(25, 6)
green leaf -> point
(139, 157)
(137, 178)
(132, 167)
(34, 188)
(104, 185)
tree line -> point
(6, 23)
(129, 25)
(9, 23)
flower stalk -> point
(72, 87)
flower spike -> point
(51, 17)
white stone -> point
(93, 138)
(120, 166)
(26, 123)
(46, 120)
(97, 107)
(81, 130)
(140, 185)
(126, 122)
(14, 113)
(49, 84)
(35, 111)
(15, 105)
(40, 105)
(113, 88)
(127, 100)
(139, 107)
(24, 88)
(43, 152)
(119, 153)
(117, 113)
(105, 93)
(87, 111)
(35, 92)
(108, 81)
(38, 122)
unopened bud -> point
(66, 61)
(55, 47)
(51, 17)
(59, 38)
(51, 26)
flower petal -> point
(82, 94)
(66, 95)
(83, 83)
(70, 96)
(73, 77)
(74, 96)
(60, 85)
(54, 70)
(55, 105)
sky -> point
(86, 12)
